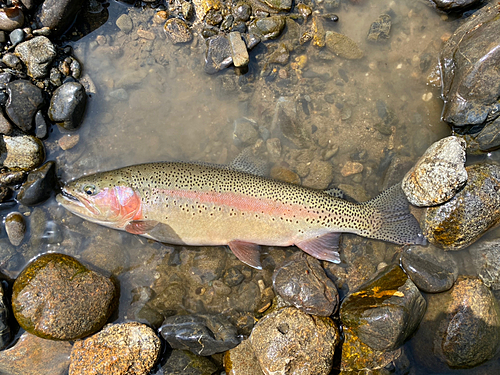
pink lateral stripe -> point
(239, 202)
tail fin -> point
(397, 224)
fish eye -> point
(89, 189)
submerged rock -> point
(15, 227)
(183, 362)
(430, 268)
(380, 29)
(343, 46)
(470, 79)
(57, 297)
(289, 341)
(39, 185)
(384, 311)
(438, 174)
(459, 222)
(241, 360)
(455, 5)
(286, 124)
(461, 328)
(219, 54)
(177, 31)
(32, 355)
(303, 283)
(486, 259)
(38, 54)
(67, 105)
(25, 99)
(268, 27)
(201, 334)
(119, 349)
(6, 332)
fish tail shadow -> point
(395, 222)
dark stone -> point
(10, 258)
(431, 269)
(303, 283)
(39, 185)
(58, 15)
(58, 298)
(213, 17)
(41, 130)
(182, 362)
(67, 105)
(462, 220)
(227, 23)
(12, 61)
(25, 99)
(201, 334)
(233, 277)
(30, 4)
(240, 27)
(384, 311)
(268, 27)
(4, 79)
(380, 29)
(470, 80)
(242, 12)
(6, 332)
(455, 5)
(461, 328)
(219, 54)
(245, 132)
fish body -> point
(199, 204)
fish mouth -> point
(69, 196)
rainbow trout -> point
(201, 205)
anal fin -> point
(325, 247)
(140, 226)
(247, 252)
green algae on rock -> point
(343, 46)
(56, 297)
(385, 311)
(462, 220)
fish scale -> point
(200, 204)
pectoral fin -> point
(247, 252)
(140, 226)
(325, 247)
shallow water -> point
(152, 101)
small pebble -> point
(68, 141)
(16, 36)
(124, 23)
(15, 228)
(351, 168)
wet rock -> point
(358, 357)
(10, 259)
(268, 27)
(380, 29)
(351, 167)
(279, 5)
(213, 17)
(233, 277)
(384, 311)
(320, 175)
(124, 23)
(239, 50)
(16, 36)
(280, 55)
(58, 15)
(455, 5)
(470, 81)
(242, 12)
(342, 46)
(68, 141)
(24, 152)
(302, 282)
(187, 10)
(15, 227)
(289, 341)
(486, 259)
(38, 54)
(241, 360)
(12, 61)
(32, 355)
(459, 222)
(67, 105)
(118, 349)
(25, 99)
(282, 173)
(431, 269)
(106, 255)
(39, 185)
(245, 132)
(11, 18)
(438, 174)
(201, 334)
(286, 124)
(182, 362)
(5, 126)
(41, 130)
(57, 297)
(178, 31)
(461, 327)
(6, 333)
(219, 54)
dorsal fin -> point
(248, 162)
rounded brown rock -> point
(15, 227)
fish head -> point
(101, 198)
